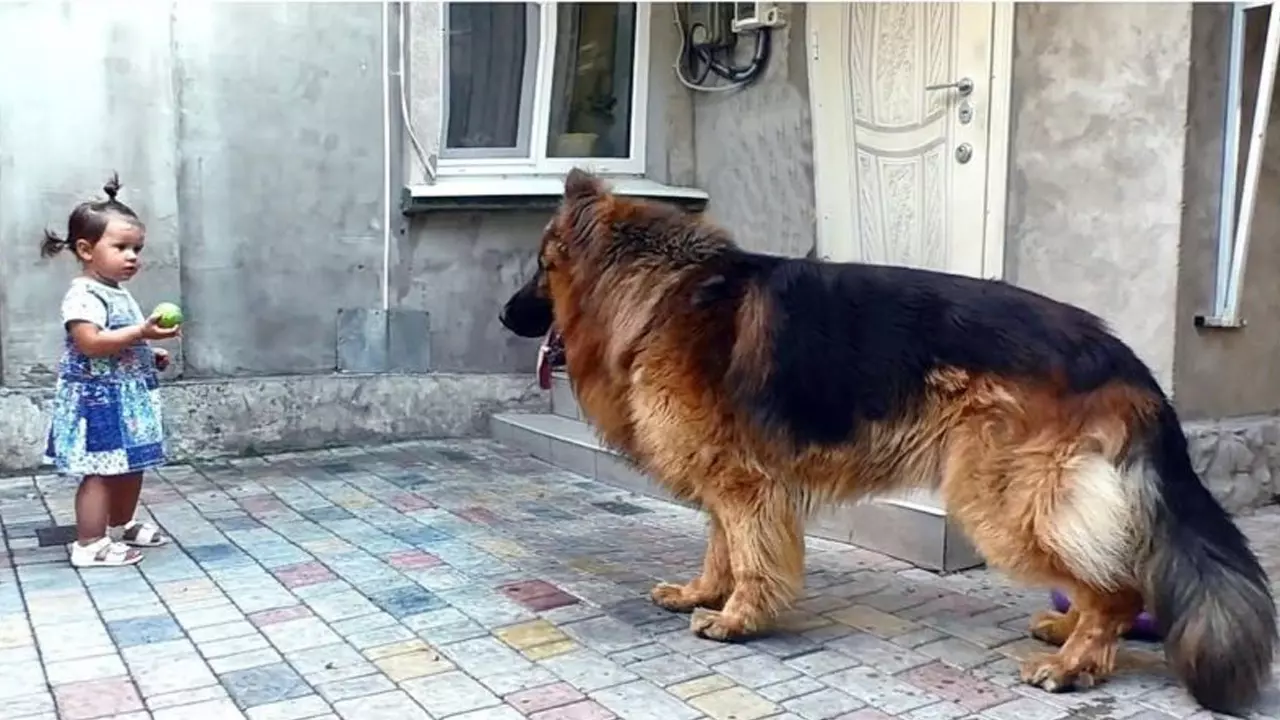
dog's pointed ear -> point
(580, 183)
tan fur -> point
(1030, 471)
(750, 363)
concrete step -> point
(572, 445)
(908, 530)
(563, 402)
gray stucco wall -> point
(1221, 372)
(1113, 190)
(463, 267)
(1096, 163)
(248, 136)
(68, 119)
(754, 148)
(212, 418)
(279, 156)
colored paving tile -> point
(462, 579)
(144, 630)
(302, 574)
(537, 594)
(412, 560)
(96, 698)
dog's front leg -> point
(712, 587)
(766, 553)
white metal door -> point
(910, 106)
(904, 111)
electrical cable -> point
(738, 77)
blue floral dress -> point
(106, 411)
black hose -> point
(699, 61)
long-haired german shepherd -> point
(760, 387)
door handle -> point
(964, 86)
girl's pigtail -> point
(52, 244)
(112, 188)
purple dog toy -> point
(1144, 628)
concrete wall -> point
(279, 159)
(1114, 179)
(463, 266)
(1221, 372)
(249, 137)
(94, 93)
(212, 418)
(1096, 163)
(754, 148)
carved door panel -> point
(901, 98)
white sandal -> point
(141, 534)
(103, 553)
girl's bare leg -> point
(93, 509)
(124, 492)
(93, 512)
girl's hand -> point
(151, 330)
(96, 342)
(162, 359)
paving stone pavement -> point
(465, 580)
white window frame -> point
(1234, 230)
(538, 163)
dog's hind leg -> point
(766, 553)
(1089, 653)
(1047, 511)
(1083, 536)
(712, 587)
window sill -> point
(541, 192)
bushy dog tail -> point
(1210, 597)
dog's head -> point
(529, 312)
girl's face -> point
(115, 258)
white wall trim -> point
(542, 192)
(830, 181)
(998, 139)
(550, 185)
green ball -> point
(170, 315)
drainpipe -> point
(386, 156)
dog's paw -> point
(1051, 674)
(715, 625)
(1051, 627)
(675, 598)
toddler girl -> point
(106, 426)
